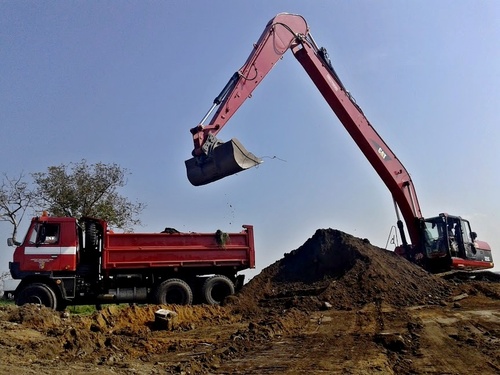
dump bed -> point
(145, 250)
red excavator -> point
(438, 244)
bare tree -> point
(16, 197)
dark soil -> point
(346, 272)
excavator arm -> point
(281, 33)
(214, 159)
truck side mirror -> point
(11, 242)
(473, 235)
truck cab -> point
(50, 246)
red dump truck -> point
(64, 261)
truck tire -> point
(91, 236)
(174, 291)
(37, 293)
(216, 288)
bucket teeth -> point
(224, 160)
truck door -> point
(42, 248)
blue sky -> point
(123, 82)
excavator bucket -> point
(224, 160)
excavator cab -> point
(219, 160)
(449, 241)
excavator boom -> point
(213, 159)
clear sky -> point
(124, 81)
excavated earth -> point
(336, 305)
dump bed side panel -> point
(142, 250)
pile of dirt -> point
(335, 269)
(34, 316)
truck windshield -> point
(34, 234)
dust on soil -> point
(335, 305)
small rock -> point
(460, 297)
(391, 341)
(326, 305)
(166, 319)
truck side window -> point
(51, 234)
(44, 234)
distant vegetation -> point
(75, 190)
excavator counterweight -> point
(225, 159)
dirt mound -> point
(34, 316)
(344, 271)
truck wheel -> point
(216, 288)
(91, 236)
(174, 291)
(37, 293)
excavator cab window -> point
(466, 239)
(454, 233)
(449, 234)
(435, 238)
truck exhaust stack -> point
(224, 160)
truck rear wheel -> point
(216, 288)
(174, 291)
(39, 294)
